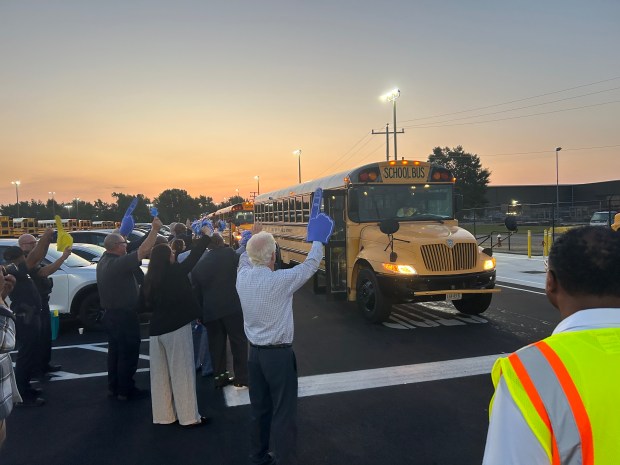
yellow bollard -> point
(529, 243)
(545, 242)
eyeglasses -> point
(122, 242)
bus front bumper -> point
(401, 289)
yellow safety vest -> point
(568, 389)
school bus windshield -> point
(403, 202)
(244, 217)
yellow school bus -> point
(395, 238)
(238, 217)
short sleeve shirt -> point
(118, 287)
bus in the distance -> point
(238, 217)
(395, 238)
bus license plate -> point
(454, 296)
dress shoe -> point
(222, 380)
(31, 402)
(202, 422)
(34, 391)
(135, 394)
(53, 368)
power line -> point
(514, 117)
(421, 125)
(514, 101)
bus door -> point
(335, 250)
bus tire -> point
(375, 306)
(90, 312)
(473, 304)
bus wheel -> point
(370, 299)
(473, 304)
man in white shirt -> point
(267, 302)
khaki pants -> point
(173, 377)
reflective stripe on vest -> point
(556, 399)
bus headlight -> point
(489, 264)
(400, 269)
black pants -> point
(273, 399)
(27, 364)
(46, 335)
(123, 328)
(231, 327)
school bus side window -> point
(306, 208)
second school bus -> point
(237, 217)
(395, 237)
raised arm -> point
(38, 253)
(149, 242)
(50, 269)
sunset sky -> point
(142, 96)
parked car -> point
(605, 218)
(90, 252)
(75, 285)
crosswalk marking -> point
(428, 315)
(379, 377)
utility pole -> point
(387, 133)
(391, 97)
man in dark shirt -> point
(26, 304)
(118, 294)
(40, 274)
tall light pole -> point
(69, 207)
(298, 153)
(257, 177)
(16, 184)
(77, 208)
(53, 203)
(391, 96)
(557, 183)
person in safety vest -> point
(557, 401)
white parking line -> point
(379, 377)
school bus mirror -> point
(389, 226)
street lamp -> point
(298, 153)
(391, 96)
(77, 208)
(69, 207)
(557, 183)
(53, 203)
(16, 184)
(257, 177)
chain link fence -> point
(543, 221)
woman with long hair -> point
(167, 295)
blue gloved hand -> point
(320, 226)
(221, 225)
(209, 224)
(128, 222)
(153, 211)
(196, 228)
(245, 237)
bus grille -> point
(440, 257)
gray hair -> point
(260, 248)
(111, 240)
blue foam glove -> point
(208, 223)
(153, 211)
(196, 228)
(320, 226)
(221, 225)
(245, 237)
(128, 222)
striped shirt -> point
(267, 297)
(8, 388)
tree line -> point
(177, 205)
(172, 205)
